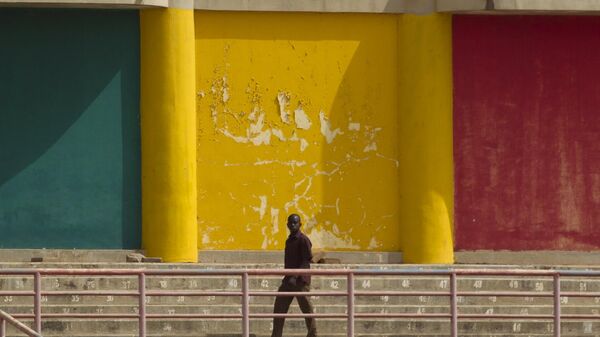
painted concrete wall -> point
(303, 113)
(297, 113)
(69, 133)
(526, 132)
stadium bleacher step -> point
(396, 327)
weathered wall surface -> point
(69, 132)
(527, 132)
(297, 113)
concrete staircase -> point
(295, 327)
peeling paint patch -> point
(301, 119)
(254, 134)
(225, 90)
(373, 244)
(322, 238)
(258, 126)
(289, 177)
(291, 163)
(225, 95)
(354, 126)
(237, 139)
(279, 134)
(335, 229)
(265, 242)
(283, 99)
(326, 128)
(395, 161)
(262, 138)
(303, 144)
(371, 147)
(263, 206)
(275, 220)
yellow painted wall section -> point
(168, 127)
(297, 112)
(425, 127)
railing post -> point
(557, 305)
(2, 327)
(37, 302)
(245, 306)
(350, 288)
(142, 304)
(453, 306)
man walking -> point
(298, 255)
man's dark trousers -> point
(282, 304)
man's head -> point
(294, 223)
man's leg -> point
(307, 308)
(282, 304)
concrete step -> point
(319, 283)
(263, 304)
(236, 309)
(317, 300)
(326, 327)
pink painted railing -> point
(350, 293)
(4, 318)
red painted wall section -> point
(527, 132)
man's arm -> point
(306, 253)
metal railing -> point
(245, 293)
(4, 317)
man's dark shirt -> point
(298, 254)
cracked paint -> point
(272, 140)
(275, 220)
(263, 206)
(326, 128)
(303, 144)
(354, 126)
(301, 119)
(283, 99)
(279, 134)
(322, 238)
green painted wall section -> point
(69, 129)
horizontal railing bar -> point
(400, 315)
(506, 293)
(462, 272)
(193, 293)
(90, 315)
(506, 316)
(69, 272)
(299, 315)
(181, 316)
(89, 293)
(274, 293)
(340, 272)
(16, 293)
(312, 293)
(401, 293)
(294, 315)
(21, 316)
(297, 293)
